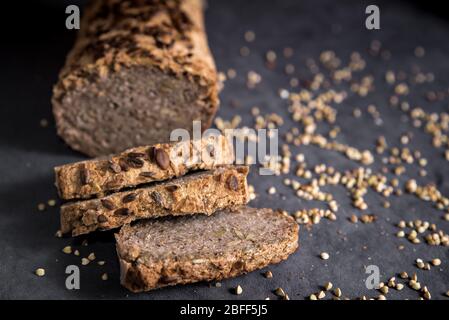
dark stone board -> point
(33, 49)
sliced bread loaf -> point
(160, 252)
(138, 70)
(202, 192)
(141, 165)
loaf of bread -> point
(177, 250)
(138, 70)
(201, 192)
(141, 165)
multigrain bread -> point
(161, 252)
(201, 192)
(138, 70)
(141, 165)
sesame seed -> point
(104, 276)
(41, 206)
(85, 261)
(268, 274)
(328, 286)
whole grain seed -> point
(41, 206)
(436, 262)
(108, 204)
(162, 159)
(250, 36)
(67, 249)
(279, 292)
(337, 292)
(91, 256)
(84, 175)
(268, 274)
(122, 212)
(40, 272)
(232, 183)
(272, 190)
(129, 198)
(104, 276)
(85, 261)
(134, 162)
(324, 255)
(114, 167)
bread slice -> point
(141, 165)
(202, 192)
(169, 251)
(138, 70)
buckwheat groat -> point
(161, 252)
(201, 192)
(141, 165)
(138, 70)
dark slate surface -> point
(34, 44)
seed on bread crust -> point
(122, 212)
(136, 155)
(84, 175)
(147, 174)
(135, 162)
(233, 183)
(162, 159)
(129, 198)
(123, 165)
(156, 196)
(108, 204)
(114, 167)
(102, 218)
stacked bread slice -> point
(193, 223)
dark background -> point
(33, 46)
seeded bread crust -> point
(140, 165)
(129, 40)
(201, 192)
(164, 252)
